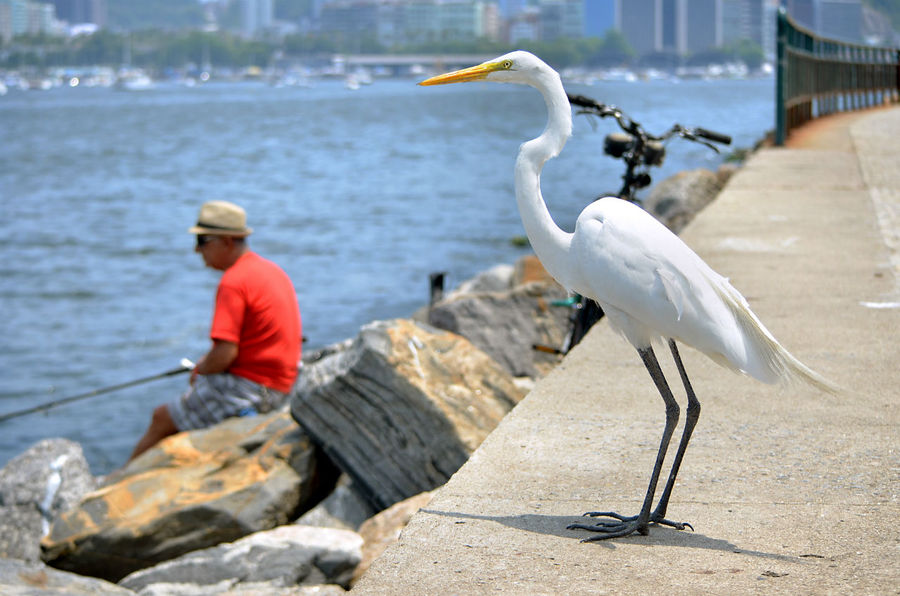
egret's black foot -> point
(607, 530)
(624, 525)
(655, 518)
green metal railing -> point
(817, 76)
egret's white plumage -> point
(650, 284)
(648, 281)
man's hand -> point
(217, 360)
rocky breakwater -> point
(193, 491)
(375, 424)
(269, 504)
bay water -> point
(358, 195)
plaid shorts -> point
(214, 398)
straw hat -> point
(221, 218)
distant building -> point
(41, 18)
(802, 11)
(349, 18)
(26, 17)
(257, 16)
(837, 19)
(770, 16)
(689, 26)
(640, 21)
(464, 21)
(705, 24)
(561, 18)
(75, 12)
(510, 8)
(419, 22)
(492, 22)
(743, 19)
(13, 18)
(524, 26)
(840, 19)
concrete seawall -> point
(789, 490)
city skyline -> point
(679, 27)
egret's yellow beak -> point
(473, 73)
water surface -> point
(358, 195)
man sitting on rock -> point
(256, 333)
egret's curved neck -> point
(549, 241)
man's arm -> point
(217, 360)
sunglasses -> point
(204, 240)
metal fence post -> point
(780, 108)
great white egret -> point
(651, 285)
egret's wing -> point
(673, 289)
(631, 262)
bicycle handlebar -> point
(584, 102)
(716, 137)
(592, 106)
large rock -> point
(496, 279)
(676, 200)
(343, 509)
(25, 578)
(507, 324)
(283, 557)
(192, 491)
(35, 487)
(402, 407)
(506, 311)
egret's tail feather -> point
(768, 360)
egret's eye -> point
(507, 64)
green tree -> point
(662, 60)
(748, 52)
(614, 50)
(560, 53)
(103, 47)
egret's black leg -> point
(690, 421)
(640, 523)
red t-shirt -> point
(256, 308)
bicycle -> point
(640, 151)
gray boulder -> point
(676, 200)
(508, 324)
(402, 407)
(496, 279)
(26, 578)
(284, 557)
(343, 509)
(35, 487)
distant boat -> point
(292, 80)
(620, 74)
(363, 76)
(351, 82)
(134, 80)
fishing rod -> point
(186, 365)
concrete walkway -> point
(790, 491)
